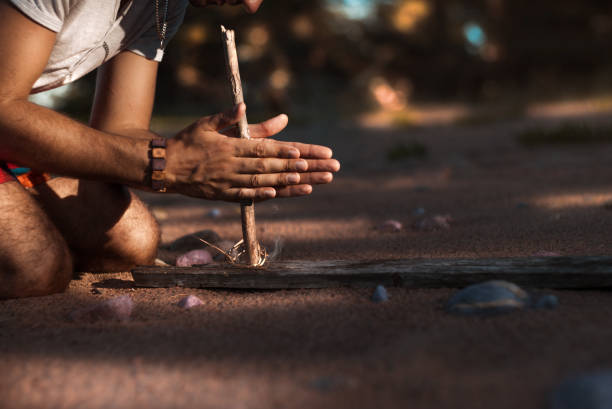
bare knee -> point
(42, 269)
(132, 241)
(138, 236)
(34, 257)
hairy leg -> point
(105, 225)
(34, 257)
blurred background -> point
(387, 63)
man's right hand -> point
(204, 160)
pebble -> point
(437, 222)
(214, 213)
(390, 225)
(114, 309)
(586, 391)
(190, 241)
(194, 257)
(489, 297)
(189, 302)
(380, 294)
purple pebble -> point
(391, 225)
(114, 309)
(189, 302)
(194, 257)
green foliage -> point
(403, 151)
(565, 134)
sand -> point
(334, 348)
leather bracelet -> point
(157, 155)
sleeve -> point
(47, 13)
(148, 44)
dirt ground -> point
(334, 348)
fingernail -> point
(301, 165)
(270, 193)
(306, 189)
(293, 178)
(294, 153)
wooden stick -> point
(541, 272)
(247, 208)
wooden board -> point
(545, 272)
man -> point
(85, 219)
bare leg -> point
(34, 257)
(106, 226)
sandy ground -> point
(335, 348)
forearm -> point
(40, 138)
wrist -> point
(157, 164)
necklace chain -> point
(161, 25)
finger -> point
(271, 180)
(292, 191)
(311, 151)
(270, 127)
(323, 165)
(271, 165)
(258, 194)
(264, 149)
(223, 120)
(315, 178)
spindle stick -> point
(247, 208)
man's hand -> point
(204, 160)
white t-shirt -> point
(91, 32)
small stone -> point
(437, 222)
(214, 213)
(194, 257)
(585, 391)
(114, 309)
(419, 211)
(189, 302)
(191, 241)
(390, 225)
(494, 296)
(380, 294)
(546, 302)
(96, 291)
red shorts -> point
(26, 176)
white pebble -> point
(189, 302)
(390, 225)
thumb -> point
(223, 120)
